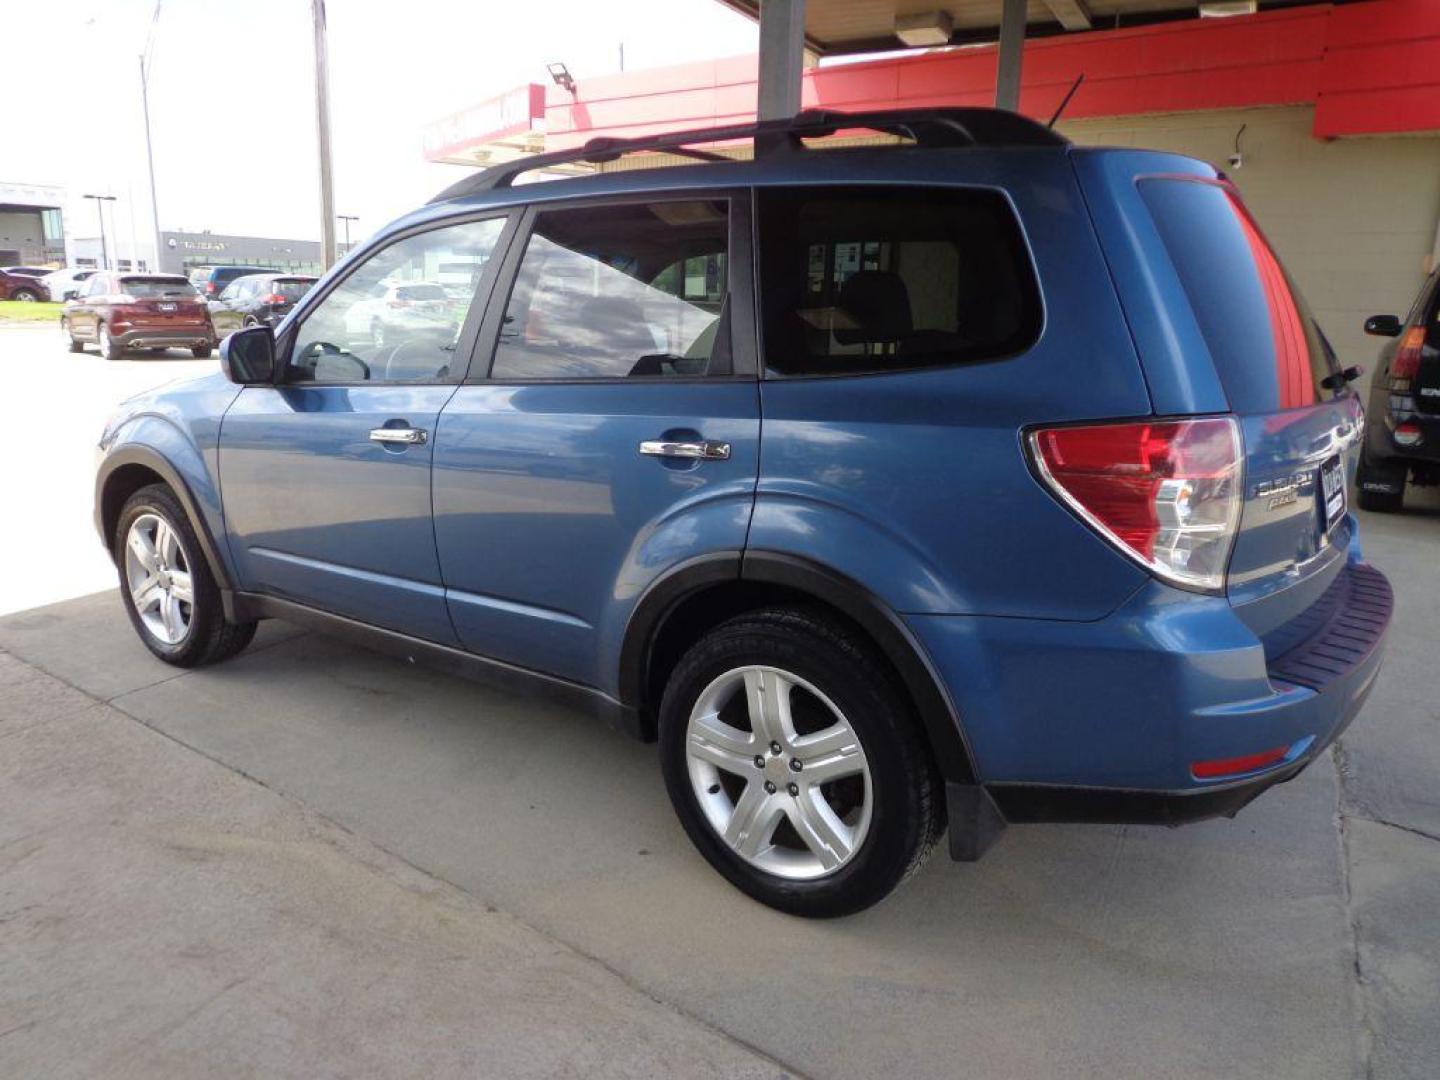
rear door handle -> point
(407, 435)
(704, 450)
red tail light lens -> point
(1408, 434)
(1166, 492)
(1238, 766)
(1406, 362)
(275, 298)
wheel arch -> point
(680, 606)
(125, 471)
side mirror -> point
(1383, 325)
(247, 356)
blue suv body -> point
(974, 480)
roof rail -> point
(926, 127)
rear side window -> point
(635, 290)
(1268, 350)
(872, 279)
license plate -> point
(1332, 491)
(166, 307)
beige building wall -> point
(1354, 220)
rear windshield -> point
(873, 279)
(148, 288)
(1268, 349)
(230, 273)
(290, 288)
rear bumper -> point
(165, 337)
(1104, 721)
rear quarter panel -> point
(916, 484)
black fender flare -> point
(138, 454)
(936, 710)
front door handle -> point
(409, 436)
(704, 450)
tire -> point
(75, 346)
(27, 296)
(201, 352)
(184, 639)
(110, 349)
(883, 821)
(1380, 502)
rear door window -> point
(1269, 351)
(873, 279)
(625, 291)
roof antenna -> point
(1066, 99)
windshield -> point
(154, 287)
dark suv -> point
(211, 281)
(973, 480)
(1403, 442)
(258, 300)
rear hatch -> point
(1250, 346)
(162, 302)
(285, 293)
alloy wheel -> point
(158, 576)
(779, 772)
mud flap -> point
(975, 821)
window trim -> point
(768, 373)
(358, 257)
(740, 294)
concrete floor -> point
(1299, 940)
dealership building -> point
(1326, 116)
(32, 224)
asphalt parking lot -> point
(476, 882)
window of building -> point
(631, 290)
(860, 280)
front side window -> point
(873, 279)
(632, 290)
(390, 320)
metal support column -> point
(1012, 45)
(782, 57)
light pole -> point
(100, 200)
(149, 154)
(347, 218)
(322, 125)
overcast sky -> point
(231, 95)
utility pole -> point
(100, 201)
(347, 218)
(322, 125)
(150, 156)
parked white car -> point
(65, 284)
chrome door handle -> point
(408, 435)
(705, 450)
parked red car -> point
(119, 312)
(20, 287)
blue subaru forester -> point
(969, 479)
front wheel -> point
(168, 590)
(796, 766)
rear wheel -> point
(168, 590)
(27, 296)
(109, 347)
(1381, 488)
(795, 765)
(200, 352)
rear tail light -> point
(274, 298)
(399, 303)
(1406, 363)
(1165, 492)
(1408, 434)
